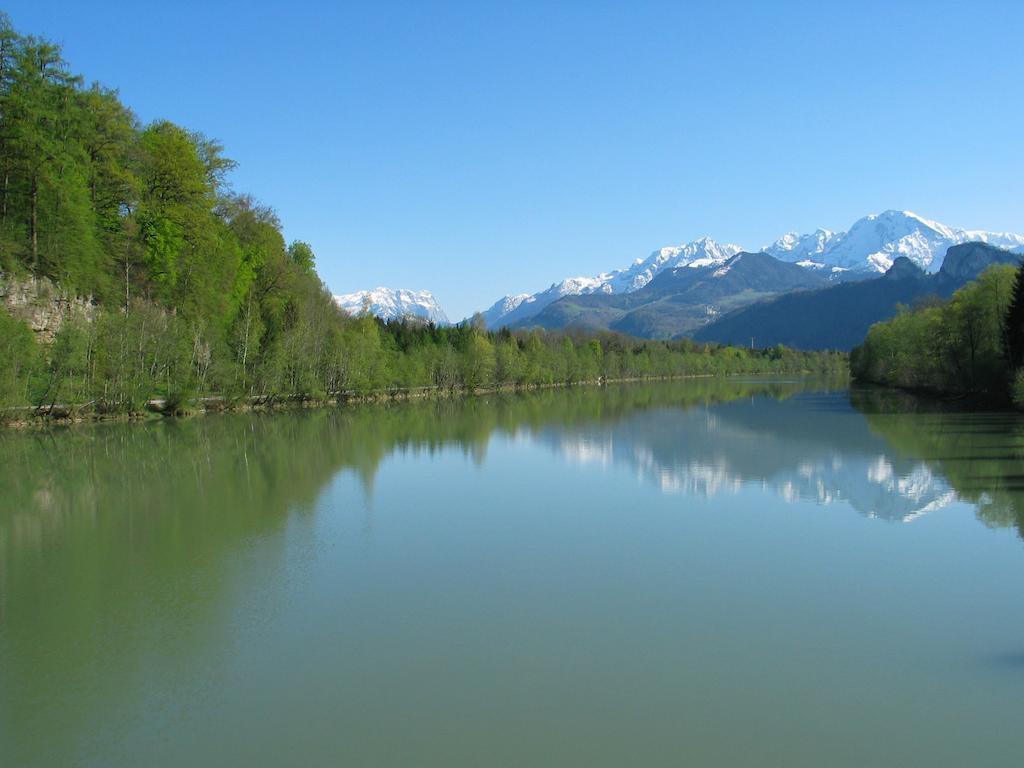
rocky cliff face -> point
(965, 262)
(42, 305)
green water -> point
(695, 573)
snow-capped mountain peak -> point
(802, 248)
(573, 286)
(393, 304)
(510, 303)
(904, 216)
(875, 241)
(699, 253)
(880, 238)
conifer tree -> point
(1014, 333)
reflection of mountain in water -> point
(809, 447)
(121, 520)
(981, 455)
(203, 484)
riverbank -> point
(57, 414)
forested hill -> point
(838, 317)
(971, 344)
(163, 282)
(119, 211)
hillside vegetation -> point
(192, 290)
(971, 344)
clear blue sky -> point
(479, 149)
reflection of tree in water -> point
(111, 532)
(183, 484)
(981, 455)
(189, 486)
(98, 521)
(95, 505)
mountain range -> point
(874, 242)
(394, 304)
(869, 247)
(510, 310)
(817, 290)
(679, 300)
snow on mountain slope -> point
(699, 253)
(715, 451)
(870, 245)
(393, 304)
(802, 248)
(509, 304)
(509, 309)
(875, 241)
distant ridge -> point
(680, 300)
(838, 317)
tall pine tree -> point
(1014, 328)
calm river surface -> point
(734, 573)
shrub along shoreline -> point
(489, 363)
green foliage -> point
(1015, 322)
(20, 360)
(302, 256)
(978, 457)
(958, 346)
(1017, 389)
